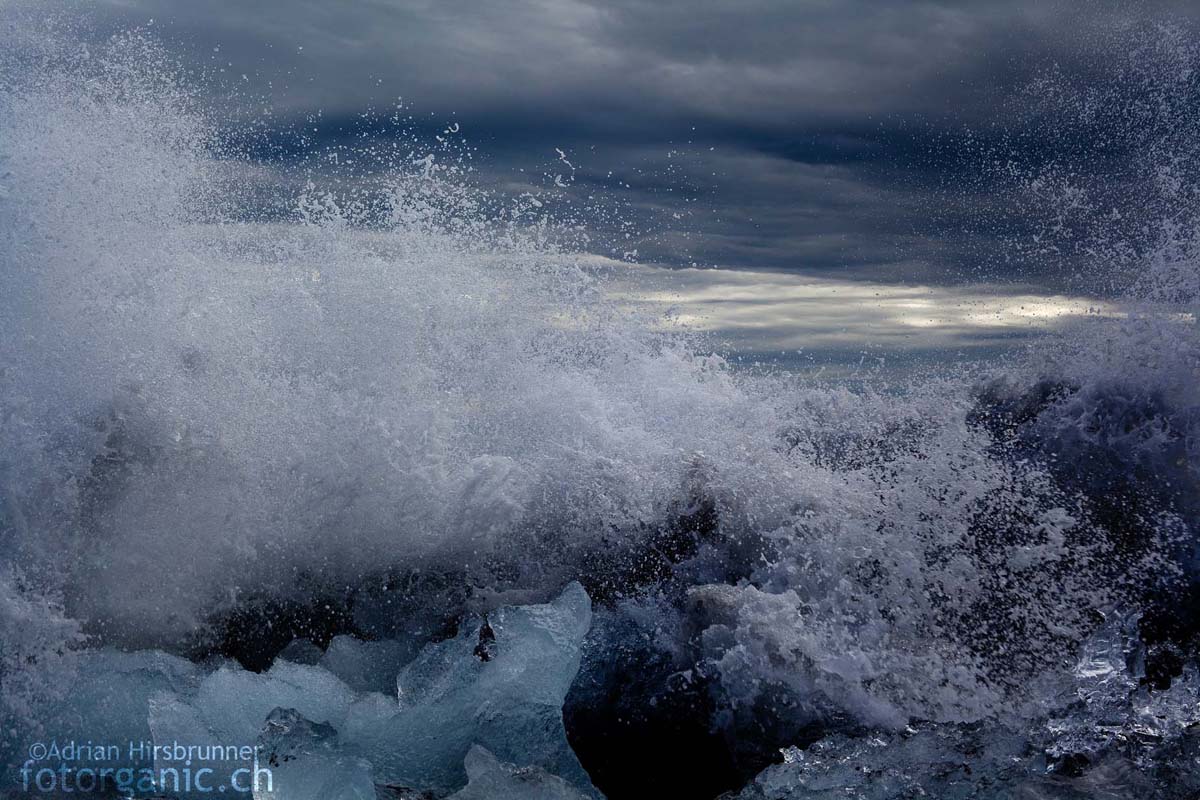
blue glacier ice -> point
(306, 763)
(107, 704)
(321, 731)
(231, 705)
(492, 779)
(499, 683)
(368, 666)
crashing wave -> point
(294, 461)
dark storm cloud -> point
(754, 65)
(845, 136)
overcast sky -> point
(879, 140)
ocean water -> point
(403, 407)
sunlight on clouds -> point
(774, 311)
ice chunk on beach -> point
(1106, 734)
(942, 762)
(492, 779)
(231, 706)
(302, 761)
(110, 698)
(235, 703)
(1108, 710)
(368, 666)
(107, 706)
(500, 684)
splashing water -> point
(401, 407)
